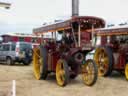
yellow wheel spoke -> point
(126, 71)
(36, 63)
(102, 60)
(61, 73)
(88, 72)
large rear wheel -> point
(62, 72)
(39, 64)
(89, 72)
(44, 67)
(104, 59)
(126, 71)
(36, 63)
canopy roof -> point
(83, 20)
(112, 31)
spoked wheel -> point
(89, 72)
(39, 63)
(62, 72)
(104, 59)
(126, 71)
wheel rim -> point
(60, 73)
(37, 66)
(88, 72)
(102, 60)
(126, 71)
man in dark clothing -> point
(68, 39)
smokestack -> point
(75, 8)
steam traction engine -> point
(112, 53)
(66, 57)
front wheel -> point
(89, 72)
(9, 61)
(62, 72)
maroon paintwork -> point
(64, 25)
(120, 51)
(16, 38)
(54, 49)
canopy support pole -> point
(74, 37)
(79, 35)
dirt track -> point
(26, 85)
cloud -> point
(25, 15)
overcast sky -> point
(25, 15)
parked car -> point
(12, 52)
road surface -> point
(26, 85)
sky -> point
(24, 15)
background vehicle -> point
(12, 52)
(20, 37)
(112, 53)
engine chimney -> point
(75, 8)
